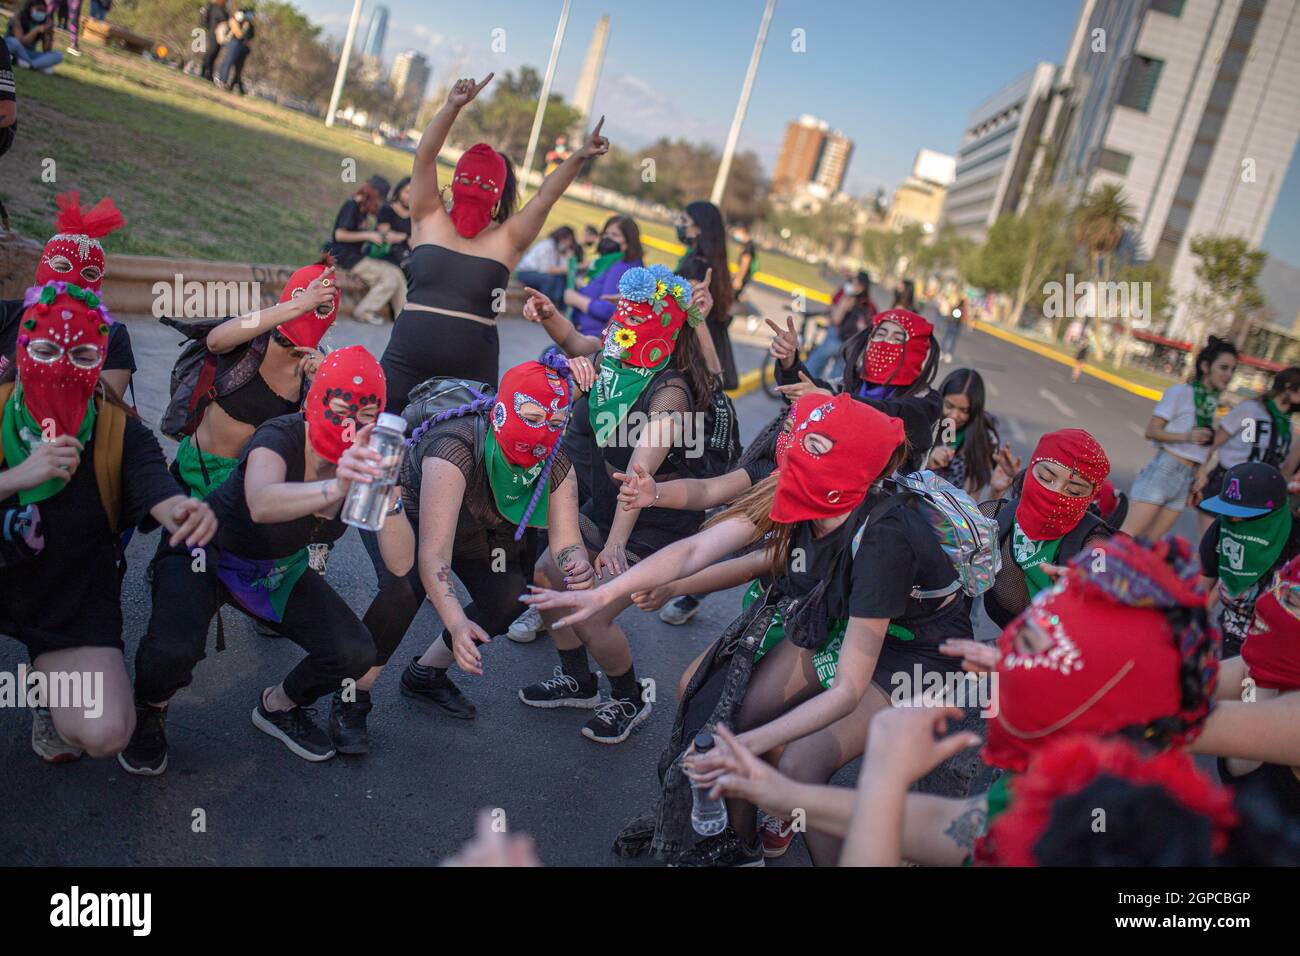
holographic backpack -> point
(967, 536)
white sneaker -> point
(47, 743)
(679, 610)
(525, 628)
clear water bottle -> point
(366, 505)
(708, 816)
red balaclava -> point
(75, 255)
(825, 484)
(476, 187)
(1045, 515)
(525, 443)
(1114, 661)
(638, 336)
(308, 329)
(1272, 649)
(58, 392)
(888, 363)
(1071, 766)
(354, 375)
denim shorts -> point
(1165, 481)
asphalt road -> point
(412, 800)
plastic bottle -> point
(366, 505)
(708, 816)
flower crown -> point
(656, 285)
(46, 294)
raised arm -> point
(522, 228)
(538, 308)
(245, 328)
(425, 200)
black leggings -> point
(425, 344)
(494, 600)
(338, 645)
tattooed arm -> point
(564, 538)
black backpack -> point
(198, 378)
(443, 393)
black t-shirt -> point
(8, 92)
(1237, 612)
(118, 356)
(898, 552)
(351, 218)
(213, 16)
(751, 250)
(758, 469)
(398, 252)
(239, 534)
(69, 595)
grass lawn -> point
(205, 174)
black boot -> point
(146, 754)
(347, 725)
(433, 686)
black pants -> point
(494, 592)
(210, 58)
(338, 645)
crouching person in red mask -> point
(861, 598)
(477, 478)
(1047, 520)
(285, 494)
(77, 468)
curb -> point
(746, 383)
(1032, 346)
(775, 282)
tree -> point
(1020, 252)
(1099, 223)
(505, 118)
(1228, 270)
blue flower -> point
(661, 273)
(637, 285)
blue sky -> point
(894, 77)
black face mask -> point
(607, 245)
(682, 237)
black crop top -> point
(255, 401)
(442, 278)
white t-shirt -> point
(542, 257)
(1177, 407)
(1258, 443)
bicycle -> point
(809, 339)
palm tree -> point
(1100, 221)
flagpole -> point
(344, 57)
(724, 167)
(541, 101)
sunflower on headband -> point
(625, 338)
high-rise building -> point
(584, 94)
(837, 150)
(997, 151)
(812, 157)
(1193, 108)
(376, 33)
(796, 165)
(409, 78)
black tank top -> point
(442, 278)
(255, 403)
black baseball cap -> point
(1250, 490)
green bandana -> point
(1029, 554)
(512, 486)
(617, 388)
(20, 434)
(191, 462)
(1249, 548)
(1206, 403)
(1281, 419)
(960, 440)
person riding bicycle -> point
(851, 311)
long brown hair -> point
(689, 360)
(632, 251)
(755, 506)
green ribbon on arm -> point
(1250, 547)
(21, 435)
(513, 486)
(1030, 554)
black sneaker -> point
(562, 691)
(725, 849)
(614, 721)
(146, 754)
(679, 610)
(296, 729)
(437, 690)
(348, 723)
